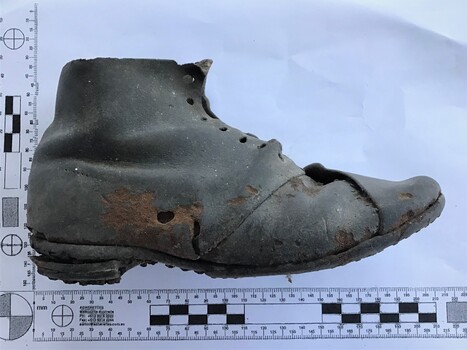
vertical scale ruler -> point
(19, 89)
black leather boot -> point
(136, 169)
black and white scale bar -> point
(326, 313)
(196, 314)
(12, 124)
(12, 105)
(379, 312)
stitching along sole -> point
(101, 264)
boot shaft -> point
(134, 92)
(115, 109)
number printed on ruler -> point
(284, 313)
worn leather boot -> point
(137, 169)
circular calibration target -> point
(15, 316)
(13, 38)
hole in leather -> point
(262, 145)
(190, 101)
(242, 139)
(188, 79)
(165, 216)
(195, 241)
(204, 118)
(322, 175)
(223, 128)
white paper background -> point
(371, 87)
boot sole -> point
(100, 264)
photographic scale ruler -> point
(242, 313)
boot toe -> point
(399, 203)
(309, 225)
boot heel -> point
(99, 272)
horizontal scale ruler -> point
(263, 313)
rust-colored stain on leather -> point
(407, 217)
(405, 196)
(298, 185)
(241, 199)
(250, 189)
(344, 240)
(137, 210)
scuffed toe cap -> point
(399, 202)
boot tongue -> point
(204, 65)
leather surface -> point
(135, 157)
(126, 124)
